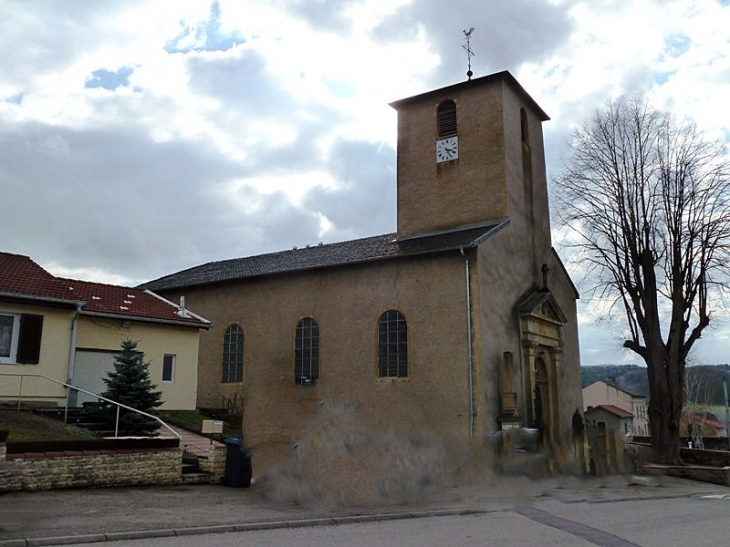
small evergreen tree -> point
(130, 385)
(577, 424)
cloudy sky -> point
(141, 137)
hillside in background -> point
(706, 380)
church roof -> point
(345, 253)
(504, 76)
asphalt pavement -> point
(98, 515)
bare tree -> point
(647, 200)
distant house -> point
(610, 418)
(709, 425)
(70, 331)
(605, 393)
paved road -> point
(561, 511)
(695, 521)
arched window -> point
(233, 354)
(446, 115)
(392, 345)
(306, 351)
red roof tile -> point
(21, 277)
(613, 409)
(701, 420)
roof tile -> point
(351, 252)
(20, 277)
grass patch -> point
(192, 420)
(25, 426)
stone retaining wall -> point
(215, 463)
(89, 468)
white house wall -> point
(53, 361)
(155, 341)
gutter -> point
(48, 299)
(469, 342)
(72, 394)
(200, 325)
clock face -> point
(447, 149)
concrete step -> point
(190, 468)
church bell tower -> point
(469, 154)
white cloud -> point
(248, 127)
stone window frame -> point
(232, 364)
(392, 345)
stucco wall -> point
(53, 362)
(509, 266)
(155, 341)
(346, 303)
(102, 334)
(601, 393)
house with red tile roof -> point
(608, 394)
(707, 423)
(610, 418)
(70, 330)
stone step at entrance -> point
(191, 473)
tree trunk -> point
(665, 408)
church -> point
(460, 324)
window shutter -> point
(29, 339)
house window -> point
(168, 368)
(20, 338)
(306, 351)
(233, 354)
(392, 345)
(446, 116)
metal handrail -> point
(69, 386)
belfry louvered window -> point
(446, 114)
(392, 345)
(306, 352)
(233, 354)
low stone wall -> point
(215, 463)
(715, 458)
(89, 468)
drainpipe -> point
(72, 394)
(469, 348)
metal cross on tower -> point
(469, 52)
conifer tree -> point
(129, 383)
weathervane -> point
(469, 52)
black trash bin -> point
(238, 464)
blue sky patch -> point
(204, 38)
(15, 99)
(108, 79)
(341, 90)
(661, 78)
(677, 44)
